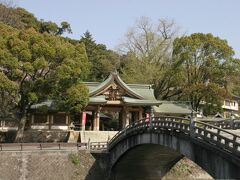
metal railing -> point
(200, 131)
(41, 146)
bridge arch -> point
(215, 150)
(145, 162)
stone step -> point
(73, 136)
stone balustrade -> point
(201, 131)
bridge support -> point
(232, 121)
(216, 163)
(216, 153)
(191, 127)
(125, 117)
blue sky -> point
(108, 20)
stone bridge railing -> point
(197, 130)
(225, 123)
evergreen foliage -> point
(206, 63)
(102, 60)
(37, 63)
(22, 19)
(36, 67)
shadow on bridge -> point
(100, 167)
(145, 162)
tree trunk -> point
(21, 126)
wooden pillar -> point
(32, 119)
(92, 122)
(125, 117)
(51, 122)
(136, 116)
(67, 120)
(96, 119)
(84, 115)
(140, 114)
(52, 119)
(48, 122)
(120, 120)
(152, 112)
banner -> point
(147, 117)
(84, 117)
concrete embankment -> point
(74, 165)
(44, 165)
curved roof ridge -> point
(102, 85)
(125, 86)
(114, 76)
(135, 84)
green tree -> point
(102, 60)
(26, 18)
(147, 47)
(206, 63)
(35, 67)
(8, 17)
(65, 27)
(22, 19)
(53, 28)
(7, 96)
(73, 99)
(17, 17)
(233, 78)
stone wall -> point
(45, 136)
(64, 165)
(96, 136)
(57, 136)
(72, 165)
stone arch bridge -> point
(152, 146)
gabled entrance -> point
(129, 101)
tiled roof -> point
(168, 107)
(137, 91)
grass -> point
(180, 169)
(75, 159)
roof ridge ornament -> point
(114, 72)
